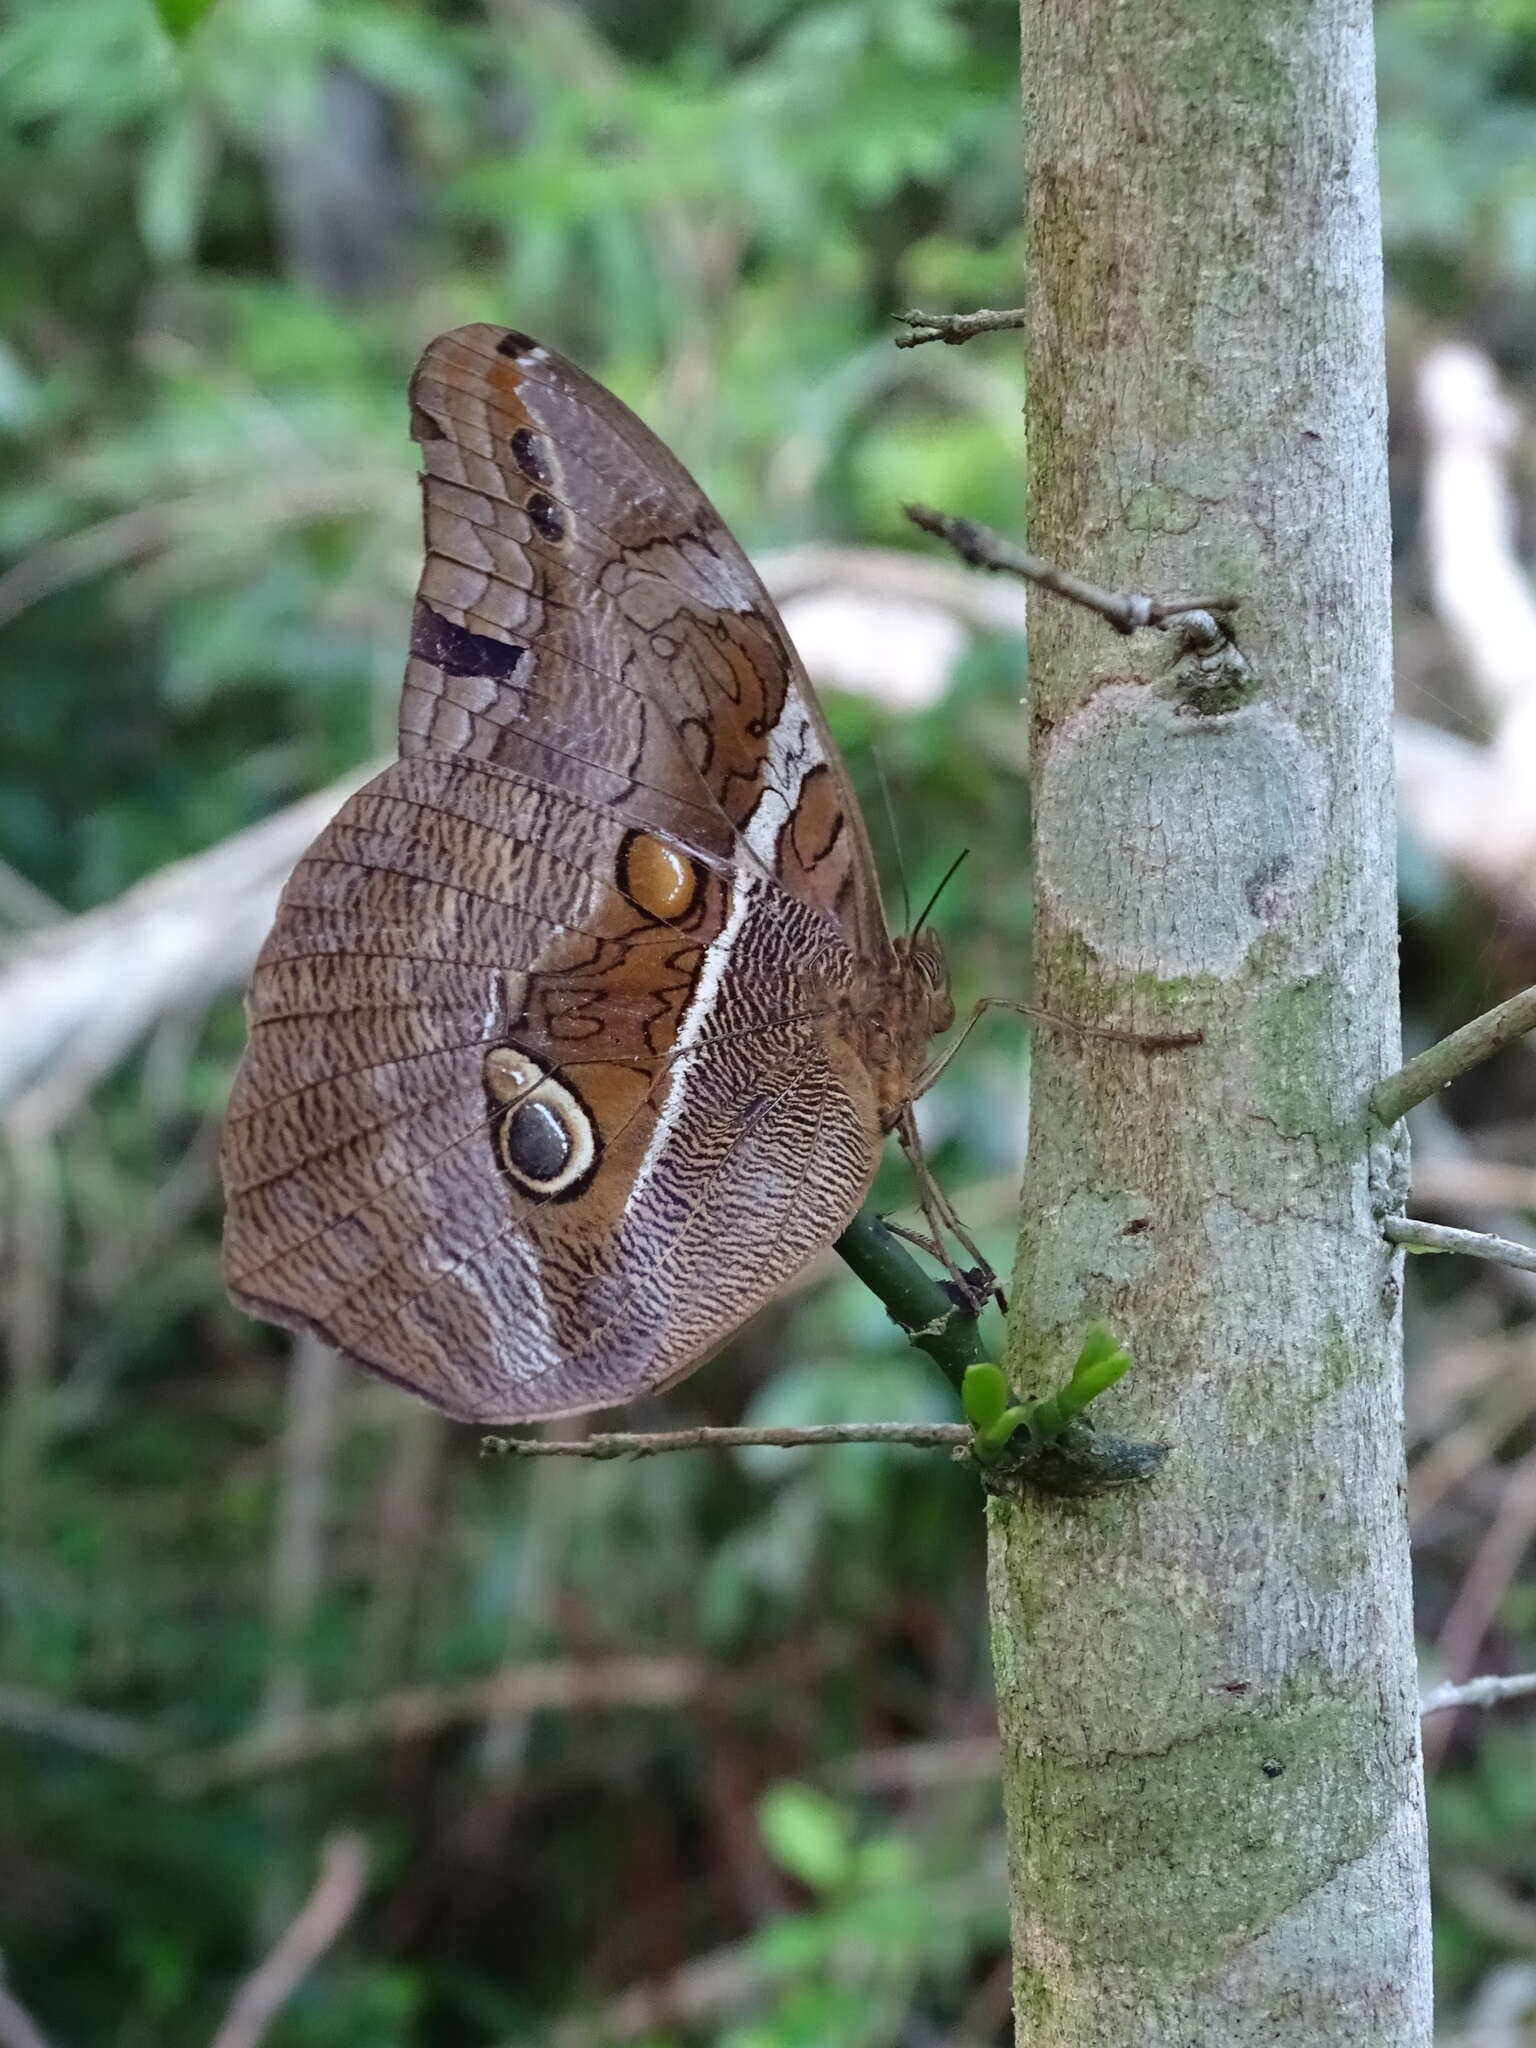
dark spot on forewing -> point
(458, 651)
(515, 343)
(529, 456)
(546, 517)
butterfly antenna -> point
(948, 877)
(890, 818)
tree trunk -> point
(1206, 1683)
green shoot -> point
(996, 1417)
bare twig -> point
(1479, 1692)
(1473, 1244)
(953, 328)
(984, 548)
(930, 1435)
(568, 1683)
(1429, 1071)
(339, 1886)
(1436, 1137)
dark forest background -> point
(694, 1750)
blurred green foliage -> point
(223, 248)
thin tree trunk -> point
(1206, 1683)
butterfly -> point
(580, 1028)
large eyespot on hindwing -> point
(545, 1140)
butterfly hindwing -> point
(555, 1073)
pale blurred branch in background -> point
(76, 996)
(17, 2027)
(337, 1890)
(1475, 806)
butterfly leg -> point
(974, 1284)
(1138, 1041)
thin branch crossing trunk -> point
(1206, 1684)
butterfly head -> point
(927, 977)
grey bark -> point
(1206, 1684)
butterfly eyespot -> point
(656, 877)
(537, 1144)
(544, 1136)
(541, 510)
(515, 343)
(529, 456)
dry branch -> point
(953, 328)
(655, 1443)
(1409, 1232)
(570, 1684)
(1479, 1692)
(1478, 1598)
(984, 548)
(339, 1886)
(1442, 1063)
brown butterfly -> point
(580, 1028)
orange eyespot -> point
(656, 877)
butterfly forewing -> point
(551, 1078)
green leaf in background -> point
(180, 18)
(807, 1834)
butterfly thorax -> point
(897, 1008)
